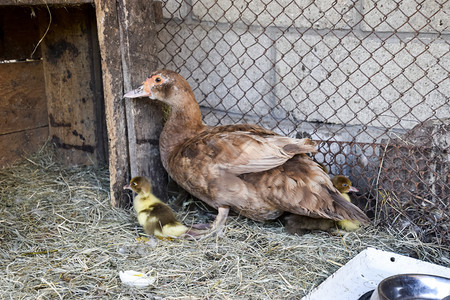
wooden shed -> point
(64, 66)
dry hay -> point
(428, 220)
(61, 239)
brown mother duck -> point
(252, 170)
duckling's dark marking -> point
(163, 215)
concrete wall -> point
(368, 65)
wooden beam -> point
(109, 41)
(133, 126)
(127, 35)
(144, 117)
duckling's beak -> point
(136, 93)
(127, 187)
(353, 189)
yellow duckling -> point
(155, 216)
(344, 186)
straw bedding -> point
(61, 239)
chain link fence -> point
(367, 79)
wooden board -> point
(73, 86)
(144, 145)
(23, 104)
(19, 33)
(15, 145)
(144, 117)
(109, 39)
(23, 110)
(123, 68)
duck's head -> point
(163, 85)
(343, 184)
(139, 184)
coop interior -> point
(51, 83)
(367, 80)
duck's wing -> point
(301, 187)
(241, 151)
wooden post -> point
(109, 41)
(144, 116)
(127, 44)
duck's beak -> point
(353, 189)
(136, 93)
(145, 90)
(127, 187)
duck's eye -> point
(134, 184)
(345, 184)
(158, 79)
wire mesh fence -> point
(367, 79)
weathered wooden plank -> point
(109, 39)
(19, 33)
(73, 95)
(40, 2)
(14, 145)
(123, 68)
(147, 123)
(23, 104)
(145, 118)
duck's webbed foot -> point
(201, 226)
(216, 228)
(219, 223)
